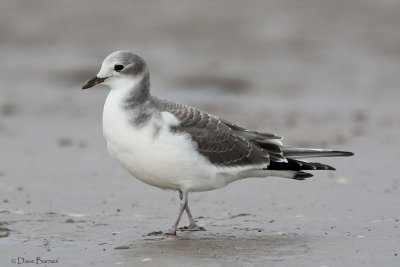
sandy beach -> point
(320, 73)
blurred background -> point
(319, 73)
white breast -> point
(152, 153)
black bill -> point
(92, 82)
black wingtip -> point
(302, 175)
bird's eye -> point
(118, 67)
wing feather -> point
(228, 145)
(214, 139)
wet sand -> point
(321, 74)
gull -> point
(178, 147)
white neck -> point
(123, 84)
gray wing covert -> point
(215, 140)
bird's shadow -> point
(198, 249)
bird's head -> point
(119, 70)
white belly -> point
(152, 153)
